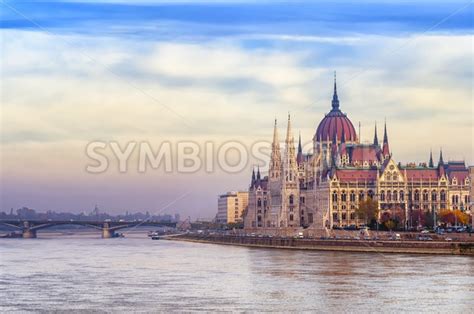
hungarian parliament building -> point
(324, 188)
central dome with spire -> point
(335, 123)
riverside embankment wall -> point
(411, 247)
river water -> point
(84, 273)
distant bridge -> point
(108, 228)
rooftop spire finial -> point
(335, 99)
(300, 148)
(376, 139)
(430, 163)
(441, 161)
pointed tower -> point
(252, 183)
(343, 150)
(335, 99)
(334, 151)
(431, 164)
(289, 164)
(299, 157)
(385, 149)
(289, 215)
(441, 169)
(376, 139)
(441, 161)
(258, 180)
(274, 172)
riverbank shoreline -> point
(363, 246)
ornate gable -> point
(391, 172)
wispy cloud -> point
(229, 69)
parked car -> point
(396, 237)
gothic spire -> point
(275, 135)
(440, 162)
(252, 183)
(275, 161)
(289, 164)
(299, 156)
(385, 148)
(258, 174)
(300, 149)
(289, 134)
(376, 139)
(430, 164)
(335, 99)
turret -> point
(343, 149)
(376, 139)
(385, 149)
(252, 182)
(430, 163)
(299, 157)
(335, 99)
(441, 164)
(274, 172)
(289, 164)
(440, 161)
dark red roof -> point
(460, 175)
(334, 122)
(351, 175)
(422, 174)
(363, 153)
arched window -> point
(370, 194)
(395, 196)
(395, 177)
(291, 217)
(425, 196)
(433, 196)
(259, 202)
(442, 196)
(334, 196)
(343, 196)
(352, 196)
(402, 196)
(388, 177)
(361, 196)
(417, 195)
(382, 196)
(389, 196)
(291, 199)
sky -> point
(75, 72)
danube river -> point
(84, 273)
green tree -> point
(390, 224)
(367, 210)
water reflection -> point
(137, 274)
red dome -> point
(336, 122)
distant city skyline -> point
(216, 71)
